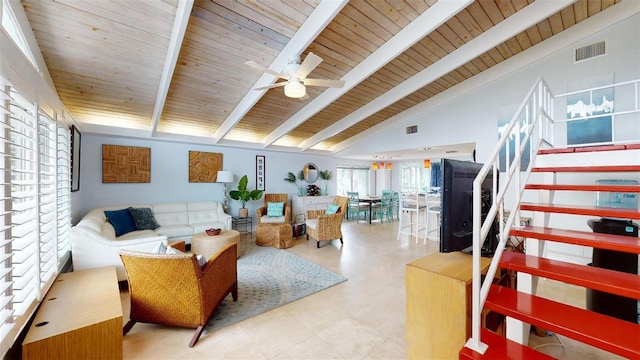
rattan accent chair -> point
(262, 211)
(174, 290)
(327, 227)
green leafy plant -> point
(243, 194)
(325, 175)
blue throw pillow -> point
(332, 209)
(121, 220)
(143, 217)
(275, 209)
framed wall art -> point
(204, 166)
(260, 172)
(126, 164)
(75, 158)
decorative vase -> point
(325, 191)
(243, 212)
(302, 191)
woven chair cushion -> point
(312, 223)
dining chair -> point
(410, 205)
(356, 207)
(382, 208)
(394, 209)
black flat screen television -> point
(456, 210)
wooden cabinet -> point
(301, 204)
(79, 318)
(439, 304)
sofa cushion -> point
(144, 219)
(121, 220)
(171, 214)
(275, 209)
(201, 212)
(175, 231)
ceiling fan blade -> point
(324, 82)
(310, 62)
(283, 83)
(259, 67)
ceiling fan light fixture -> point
(295, 89)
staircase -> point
(621, 337)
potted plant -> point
(326, 176)
(291, 177)
(244, 195)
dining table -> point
(370, 200)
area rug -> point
(269, 278)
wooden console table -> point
(79, 318)
(439, 304)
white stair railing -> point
(533, 113)
(531, 127)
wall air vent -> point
(412, 129)
(590, 51)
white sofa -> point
(94, 242)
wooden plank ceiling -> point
(107, 60)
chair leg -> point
(234, 291)
(196, 336)
(128, 327)
(318, 244)
(341, 243)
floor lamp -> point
(225, 177)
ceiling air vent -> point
(412, 129)
(590, 51)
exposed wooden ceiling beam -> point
(310, 29)
(428, 21)
(518, 22)
(173, 52)
(582, 30)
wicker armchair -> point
(262, 211)
(175, 290)
(323, 227)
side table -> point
(243, 224)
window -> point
(34, 240)
(11, 27)
(414, 177)
(352, 179)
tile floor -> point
(362, 318)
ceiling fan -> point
(296, 75)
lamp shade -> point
(225, 176)
(295, 89)
(375, 166)
(427, 163)
(389, 166)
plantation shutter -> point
(64, 194)
(6, 295)
(25, 227)
(47, 143)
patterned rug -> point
(269, 278)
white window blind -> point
(64, 194)
(35, 208)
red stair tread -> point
(610, 281)
(502, 348)
(604, 332)
(600, 211)
(602, 168)
(622, 243)
(585, 149)
(612, 188)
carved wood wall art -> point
(126, 164)
(204, 166)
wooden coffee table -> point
(203, 244)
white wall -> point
(170, 174)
